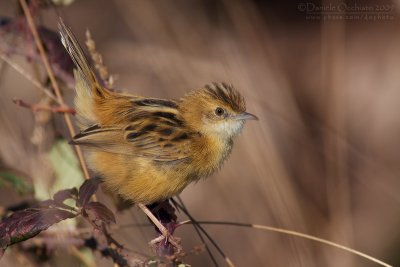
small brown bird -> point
(148, 149)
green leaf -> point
(65, 165)
(68, 174)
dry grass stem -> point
(294, 233)
(54, 83)
(29, 77)
(98, 61)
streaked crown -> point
(227, 95)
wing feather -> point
(155, 137)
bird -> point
(148, 149)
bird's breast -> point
(210, 155)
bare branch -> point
(38, 107)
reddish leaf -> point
(98, 213)
(62, 195)
(25, 224)
(87, 189)
(49, 203)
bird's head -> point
(218, 110)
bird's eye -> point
(219, 111)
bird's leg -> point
(163, 230)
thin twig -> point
(293, 233)
(53, 81)
(29, 77)
(59, 72)
(38, 107)
(226, 258)
(196, 227)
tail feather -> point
(88, 89)
(77, 55)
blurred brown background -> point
(324, 157)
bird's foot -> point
(164, 219)
(166, 244)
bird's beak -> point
(245, 116)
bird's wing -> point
(154, 132)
